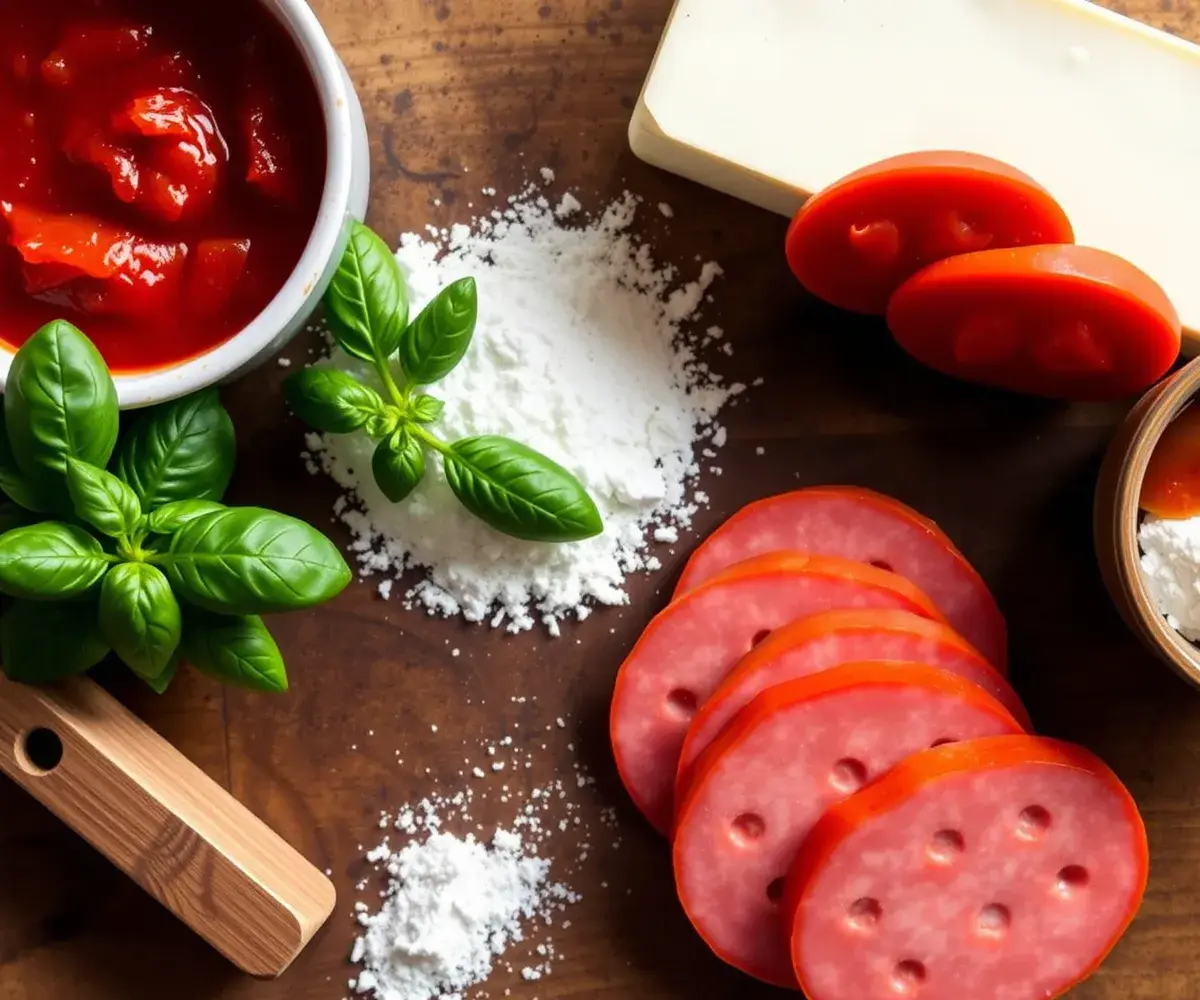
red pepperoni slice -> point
(810, 645)
(860, 524)
(791, 753)
(1062, 321)
(856, 241)
(1003, 868)
(692, 644)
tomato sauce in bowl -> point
(160, 175)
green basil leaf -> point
(59, 403)
(14, 516)
(437, 339)
(42, 642)
(366, 304)
(519, 491)
(236, 649)
(330, 400)
(15, 486)
(102, 500)
(182, 450)
(383, 424)
(140, 617)
(50, 562)
(426, 409)
(246, 560)
(160, 683)
(170, 517)
(17, 489)
(398, 465)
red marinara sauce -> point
(160, 171)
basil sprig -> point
(145, 561)
(516, 490)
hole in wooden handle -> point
(39, 751)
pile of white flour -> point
(453, 906)
(464, 903)
(584, 351)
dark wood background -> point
(499, 88)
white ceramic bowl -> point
(347, 181)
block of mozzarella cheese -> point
(770, 100)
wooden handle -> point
(164, 822)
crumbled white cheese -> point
(1171, 570)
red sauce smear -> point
(160, 173)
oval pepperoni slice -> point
(810, 645)
(856, 241)
(790, 754)
(1062, 321)
(856, 523)
(1003, 868)
(693, 643)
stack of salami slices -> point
(820, 721)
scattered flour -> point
(582, 351)
(457, 909)
(453, 906)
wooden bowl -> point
(1116, 518)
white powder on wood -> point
(453, 906)
(457, 909)
(581, 352)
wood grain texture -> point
(165, 823)
(465, 94)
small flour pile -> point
(460, 905)
(583, 352)
(453, 906)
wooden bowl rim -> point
(1180, 653)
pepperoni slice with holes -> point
(856, 523)
(820, 642)
(1003, 868)
(1068, 322)
(689, 647)
(853, 243)
(790, 754)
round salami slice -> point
(819, 642)
(860, 524)
(693, 643)
(791, 753)
(1003, 868)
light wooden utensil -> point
(1116, 518)
(164, 822)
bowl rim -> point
(1169, 401)
(248, 344)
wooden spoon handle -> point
(163, 821)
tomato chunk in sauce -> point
(161, 172)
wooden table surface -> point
(462, 94)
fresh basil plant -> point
(515, 489)
(143, 561)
